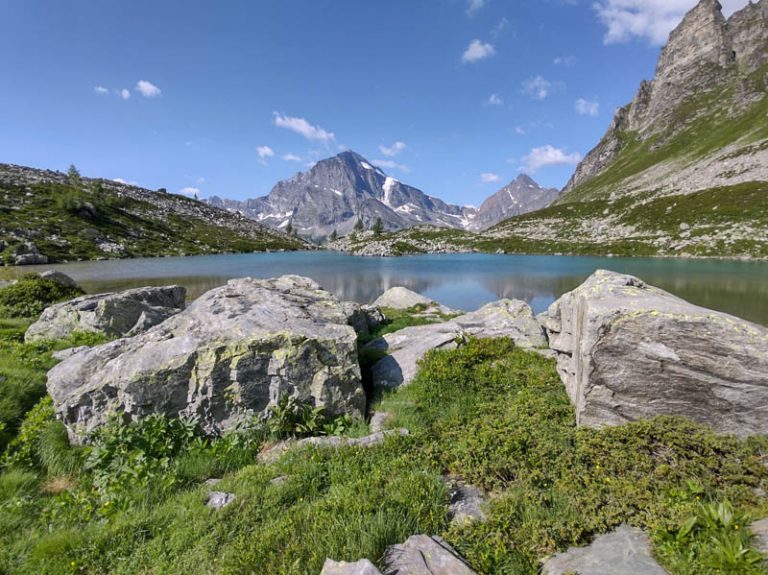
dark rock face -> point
(704, 53)
(226, 358)
(627, 351)
(521, 196)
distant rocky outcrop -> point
(521, 196)
(120, 314)
(226, 358)
(404, 348)
(626, 351)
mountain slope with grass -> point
(683, 169)
(48, 217)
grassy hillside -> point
(98, 219)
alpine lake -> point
(460, 281)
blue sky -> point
(455, 97)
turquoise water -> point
(463, 281)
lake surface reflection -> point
(462, 281)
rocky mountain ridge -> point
(711, 68)
(46, 217)
(338, 191)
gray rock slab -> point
(626, 551)
(227, 358)
(119, 314)
(362, 567)
(403, 298)
(759, 530)
(424, 555)
(276, 451)
(404, 348)
(627, 351)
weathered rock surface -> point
(27, 254)
(227, 358)
(379, 421)
(59, 277)
(424, 555)
(504, 318)
(117, 314)
(466, 501)
(626, 551)
(276, 451)
(759, 530)
(362, 567)
(627, 351)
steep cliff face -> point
(683, 168)
(711, 74)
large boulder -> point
(119, 314)
(424, 555)
(402, 298)
(226, 358)
(625, 551)
(59, 277)
(627, 350)
(28, 255)
(404, 348)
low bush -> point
(31, 294)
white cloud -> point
(148, 89)
(500, 27)
(302, 127)
(650, 20)
(566, 61)
(495, 100)
(265, 152)
(393, 150)
(291, 158)
(126, 182)
(489, 178)
(548, 156)
(391, 165)
(587, 107)
(520, 131)
(474, 5)
(101, 90)
(477, 50)
(537, 88)
(191, 192)
(125, 93)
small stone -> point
(466, 501)
(279, 480)
(362, 567)
(379, 420)
(219, 499)
(212, 481)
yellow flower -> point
(736, 526)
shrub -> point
(29, 296)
